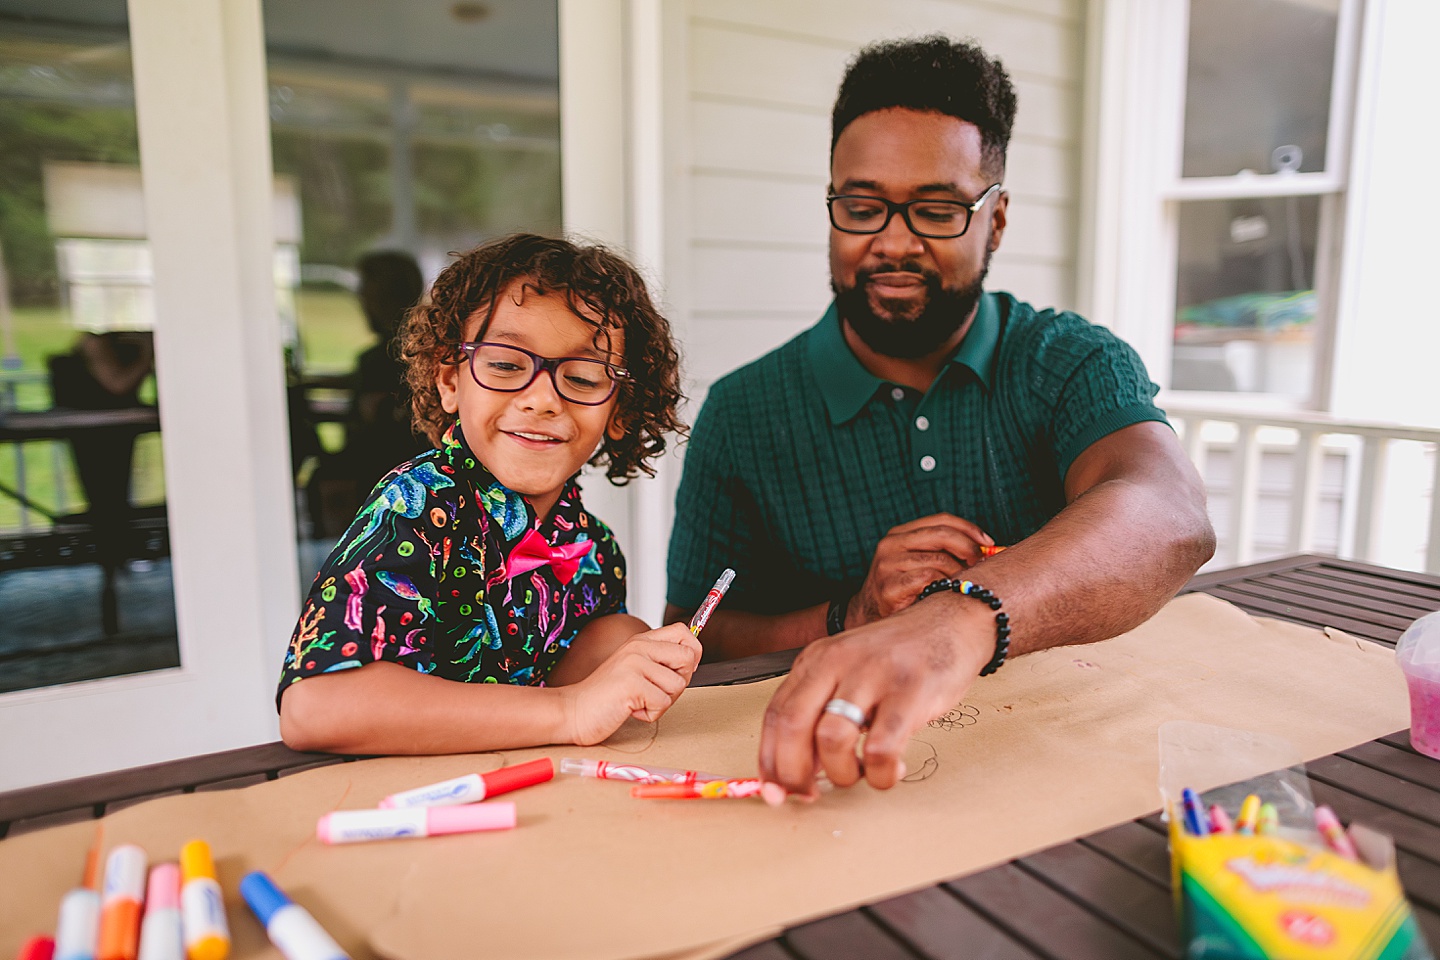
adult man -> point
(953, 418)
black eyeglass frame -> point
(542, 364)
(892, 208)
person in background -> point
(378, 433)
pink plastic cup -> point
(1425, 713)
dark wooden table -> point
(1101, 897)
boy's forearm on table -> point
(384, 708)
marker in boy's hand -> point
(641, 679)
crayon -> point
(987, 551)
(289, 926)
(120, 903)
(1220, 820)
(711, 790)
(1269, 820)
(711, 601)
(473, 787)
(1335, 836)
(160, 934)
(633, 772)
(1249, 814)
(356, 826)
(202, 906)
(1195, 820)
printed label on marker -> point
(350, 826)
(460, 790)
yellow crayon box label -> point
(1268, 898)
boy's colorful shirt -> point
(447, 571)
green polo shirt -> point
(800, 462)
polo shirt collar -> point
(847, 386)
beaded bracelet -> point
(1002, 620)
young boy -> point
(474, 604)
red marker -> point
(473, 786)
(37, 948)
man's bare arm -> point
(1134, 530)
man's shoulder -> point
(1049, 334)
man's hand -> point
(910, 558)
(903, 672)
(641, 679)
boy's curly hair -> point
(600, 288)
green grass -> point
(332, 332)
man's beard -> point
(903, 337)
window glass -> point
(1258, 85)
(420, 128)
(1245, 303)
(84, 545)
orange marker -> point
(989, 551)
(120, 903)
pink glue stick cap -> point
(496, 815)
(163, 892)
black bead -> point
(1002, 618)
(994, 603)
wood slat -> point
(1264, 607)
(1429, 923)
(937, 925)
(1409, 798)
(768, 950)
(149, 780)
(1386, 610)
(45, 820)
(844, 936)
(1419, 586)
(1396, 602)
(1204, 581)
(1330, 609)
(1401, 741)
(1045, 920)
(1140, 850)
(1405, 764)
(1135, 905)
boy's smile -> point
(533, 440)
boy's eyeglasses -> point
(507, 369)
(936, 219)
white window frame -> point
(204, 136)
(1134, 129)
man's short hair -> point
(935, 74)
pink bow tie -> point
(532, 551)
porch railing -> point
(1389, 510)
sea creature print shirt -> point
(449, 572)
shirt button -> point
(922, 423)
(897, 394)
(927, 464)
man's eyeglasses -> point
(936, 219)
(507, 369)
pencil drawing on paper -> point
(958, 716)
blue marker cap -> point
(264, 898)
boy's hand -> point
(641, 679)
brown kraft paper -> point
(1056, 745)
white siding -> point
(761, 80)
